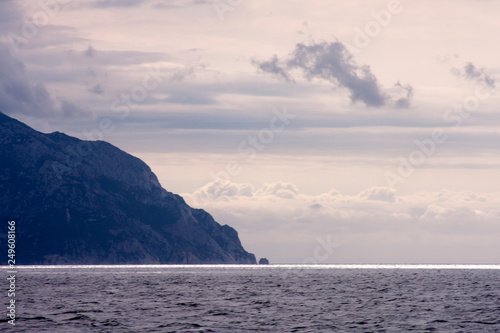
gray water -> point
(255, 299)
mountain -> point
(88, 202)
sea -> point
(254, 298)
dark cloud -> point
(162, 4)
(11, 23)
(18, 29)
(18, 95)
(71, 110)
(90, 52)
(273, 66)
(180, 74)
(52, 36)
(122, 58)
(10, 14)
(470, 72)
(116, 3)
(405, 101)
(97, 89)
(180, 3)
(52, 57)
(183, 97)
(479, 75)
(334, 63)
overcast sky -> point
(358, 131)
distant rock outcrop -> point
(263, 261)
(88, 202)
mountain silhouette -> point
(88, 202)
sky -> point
(360, 131)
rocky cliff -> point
(88, 202)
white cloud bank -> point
(374, 226)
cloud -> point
(273, 66)
(223, 189)
(20, 30)
(378, 194)
(280, 189)
(180, 3)
(71, 110)
(405, 101)
(18, 95)
(120, 58)
(188, 98)
(165, 4)
(334, 63)
(180, 74)
(470, 72)
(479, 75)
(90, 52)
(117, 3)
(10, 14)
(97, 89)
(376, 225)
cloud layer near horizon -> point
(280, 214)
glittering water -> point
(257, 298)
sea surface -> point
(274, 298)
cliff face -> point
(88, 202)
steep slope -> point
(88, 202)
